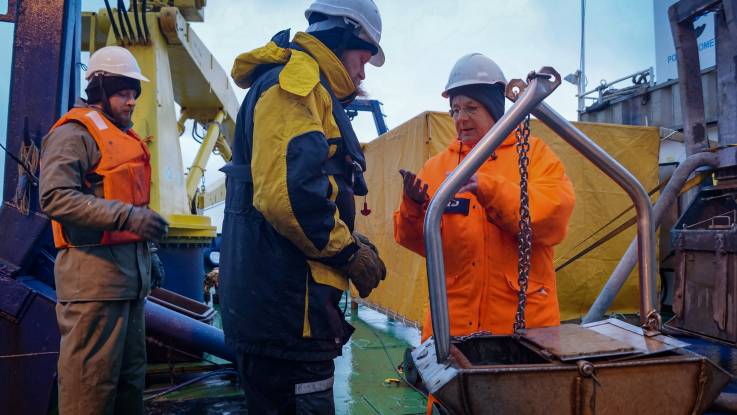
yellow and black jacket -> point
(290, 209)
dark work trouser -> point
(285, 387)
(102, 358)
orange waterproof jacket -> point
(124, 166)
(480, 247)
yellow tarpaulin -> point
(598, 201)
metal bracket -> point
(653, 325)
(9, 16)
(547, 76)
(720, 292)
(515, 88)
(435, 375)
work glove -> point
(146, 223)
(157, 268)
(413, 187)
(365, 269)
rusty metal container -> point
(603, 367)
(489, 374)
(705, 242)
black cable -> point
(112, 21)
(195, 135)
(48, 256)
(190, 382)
(20, 163)
(128, 20)
(391, 362)
(139, 35)
(145, 25)
(122, 23)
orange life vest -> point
(124, 166)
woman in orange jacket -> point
(480, 225)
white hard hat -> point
(116, 61)
(474, 68)
(364, 13)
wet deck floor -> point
(364, 376)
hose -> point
(190, 382)
(128, 21)
(139, 35)
(145, 24)
(121, 9)
(112, 22)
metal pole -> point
(582, 69)
(627, 263)
(645, 229)
(225, 151)
(538, 90)
(689, 80)
(197, 170)
(726, 51)
(186, 333)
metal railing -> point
(605, 92)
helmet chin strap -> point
(105, 103)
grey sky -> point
(423, 39)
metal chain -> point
(524, 237)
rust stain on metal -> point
(504, 374)
(570, 342)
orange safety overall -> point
(480, 237)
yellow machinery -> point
(182, 72)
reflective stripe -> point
(97, 119)
(312, 387)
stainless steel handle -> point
(539, 88)
(649, 317)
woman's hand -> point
(413, 187)
(472, 185)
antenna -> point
(578, 78)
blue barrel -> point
(184, 266)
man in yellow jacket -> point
(289, 249)
(95, 185)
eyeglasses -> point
(470, 111)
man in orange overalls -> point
(480, 229)
(95, 185)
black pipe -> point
(136, 19)
(193, 336)
(725, 402)
(145, 25)
(112, 22)
(122, 23)
(127, 19)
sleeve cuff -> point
(411, 209)
(488, 186)
(342, 257)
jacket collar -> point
(304, 53)
(330, 66)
